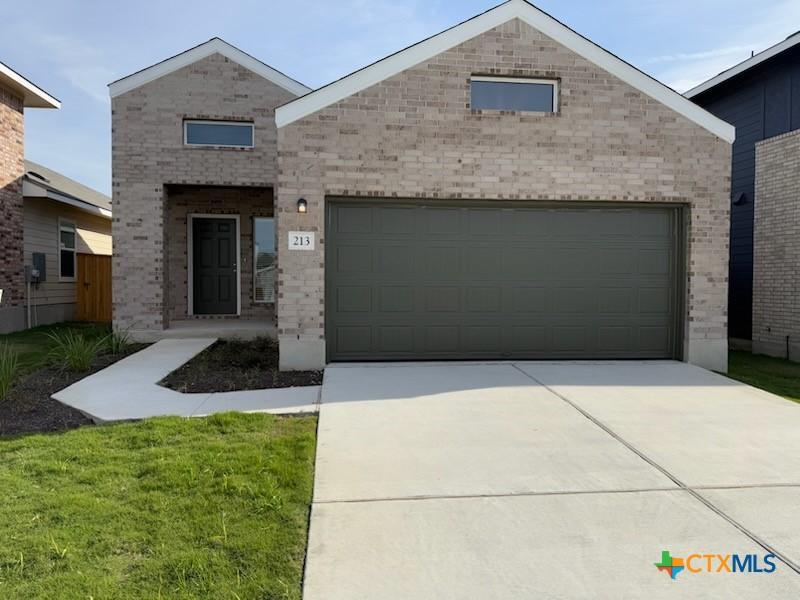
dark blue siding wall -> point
(762, 102)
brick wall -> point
(148, 153)
(12, 168)
(776, 247)
(245, 202)
(414, 135)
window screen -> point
(219, 133)
(510, 94)
(264, 260)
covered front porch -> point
(220, 264)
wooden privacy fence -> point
(93, 288)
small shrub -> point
(117, 341)
(9, 367)
(73, 351)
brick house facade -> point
(776, 277)
(616, 136)
(158, 180)
(16, 93)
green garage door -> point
(440, 280)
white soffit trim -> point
(32, 95)
(512, 9)
(212, 46)
(792, 40)
(31, 190)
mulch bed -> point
(28, 407)
(233, 365)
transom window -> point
(66, 250)
(232, 134)
(513, 93)
(264, 260)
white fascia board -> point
(213, 46)
(744, 66)
(513, 9)
(32, 95)
(31, 190)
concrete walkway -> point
(552, 480)
(129, 389)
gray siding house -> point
(761, 97)
(503, 189)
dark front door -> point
(214, 266)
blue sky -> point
(73, 49)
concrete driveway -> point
(556, 480)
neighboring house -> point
(16, 94)
(64, 222)
(761, 97)
(506, 188)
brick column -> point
(12, 168)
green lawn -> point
(163, 508)
(772, 374)
(32, 345)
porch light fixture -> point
(302, 205)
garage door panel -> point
(614, 339)
(655, 301)
(654, 262)
(654, 224)
(440, 299)
(442, 340)
(394, 299)
(615, 301)
(616, 261)
(354, 299)
(395, 260)
(529, 339)
(484, 299)
(353, 259)
(654, 338)
(482, 338)
(443, 221)
(573, 300)
(442, 262)
(569, 338)
(398, 221)
(353, 339)
(529, 299)
(483, 261)
(354, 219)
(396, 339)
(406, 280)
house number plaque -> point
(301, 240)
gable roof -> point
(756, 59)
(32, 95)
(512, 9)
(41, 182)
(212, 46)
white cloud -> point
(683, 71)
(79, 63)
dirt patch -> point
(234, 365)
(29, 408)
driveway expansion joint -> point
(692, 491)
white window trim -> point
(74, 226)
(511, 79)
(190, 262)
(255, 301)
(249, 124)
